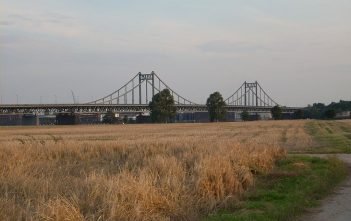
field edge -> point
(297, 183)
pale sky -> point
(298, 50)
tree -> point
(110, 118)
(125, 119)
(245, 115)
(330, 114)
(162, 107)
(276, 112)
(216, 107)
(299, 114)
(322, 111)
(141, 119)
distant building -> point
(65, 119)
(47, 119)
(231, 116)
(343, 115)
(29, 119)
(77, 118)
(93, 118)
(10, 119)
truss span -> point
(140, 90)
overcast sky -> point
(299, 50)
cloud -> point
(40, 22)
(18, 17)
(222, 46)
(7, 39)
(6, 23)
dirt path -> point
(336, 207)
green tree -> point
(162, 107)
(125, 119)
(216, 107)
(322, 111)
(276, 112)
(299, 114)
(330, 114)
(245, 115)
(110, 118)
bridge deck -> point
(102, 108)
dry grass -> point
(136, 172)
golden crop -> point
(136, 172)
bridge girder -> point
(104, 108)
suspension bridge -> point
(135, 95)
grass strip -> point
(332, 136)
(298, 182)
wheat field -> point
(137, 172)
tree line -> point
(322, 111)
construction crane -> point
(73, 97)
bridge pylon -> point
(250, 94)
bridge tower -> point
(147, 78)
(250, 94)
